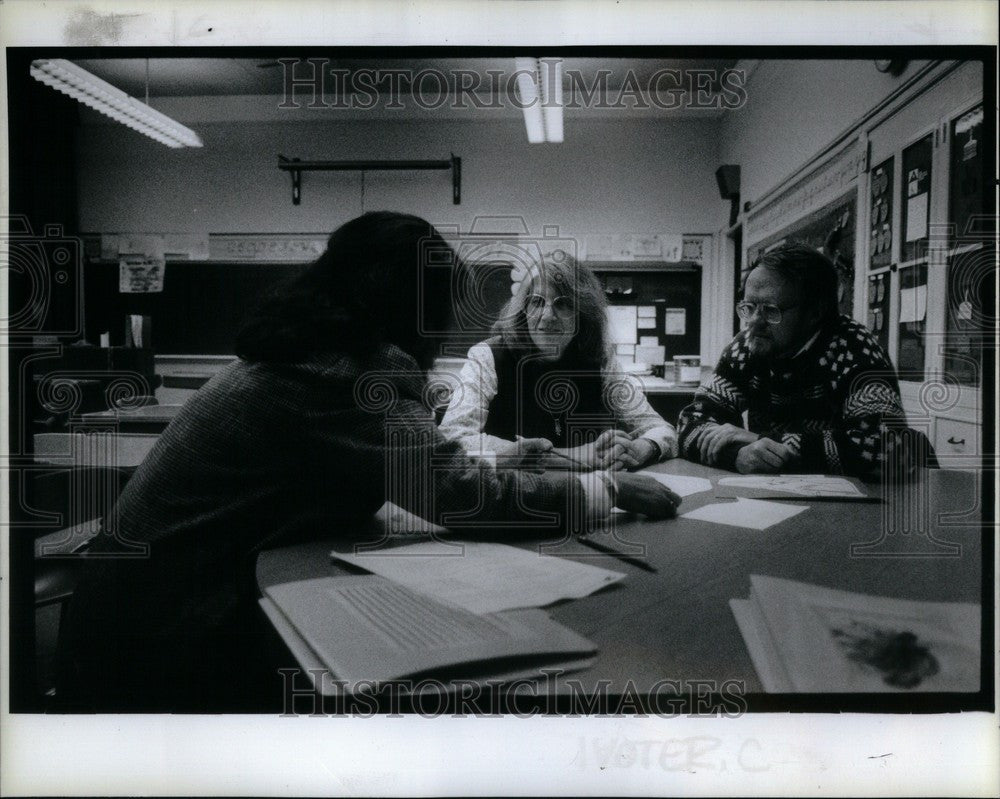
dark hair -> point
(590, 347)
(384, 278)
(810, 271)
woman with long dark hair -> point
(320, 421)
(548, 379)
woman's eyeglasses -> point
(561, 306)
(771, 313)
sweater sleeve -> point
(870, 427)
(636, 416)
(467, 412)
(720, 400)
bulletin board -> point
(831, 229)
(201, 308)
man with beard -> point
(820, 394)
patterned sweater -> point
(836, 404)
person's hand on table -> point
(714, 440)
(763, 456)
(528, 454)
(637, 493)
(599, 454)
(639, 452)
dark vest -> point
(535, 399)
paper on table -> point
(807, 485)
(484, 578)
(753, 513)
(622, 323)
(913, 304)
(681, 484)
(647, 312)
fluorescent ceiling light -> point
(539, 84)
(68, 78)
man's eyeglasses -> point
(561, 306)
(771, 313)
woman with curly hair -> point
(547, 382)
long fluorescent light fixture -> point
(539, 84)
(68, 78)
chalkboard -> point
(199, 311)
(831, 229)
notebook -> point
(807, 638)
(366, 629)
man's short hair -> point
(807, 268)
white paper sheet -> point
(482, 577)
(916, 217)
(647, 312)
(757, 514)
(653, 341)
(807, 485)
(675, 321)
(680, 484)
(622, 323)
(913, 304)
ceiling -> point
(187, 77)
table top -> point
(677, 623)
(102, 449)
(147, 413)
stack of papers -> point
(352, 633)
(482, 577)
(805, 638)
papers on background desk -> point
(484, 578)
(753, 513)
(791, 485)
(806, 638)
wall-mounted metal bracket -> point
(296, 167)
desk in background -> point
(677, 624)
(148, 419)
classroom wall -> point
(793, 110)
(608, 176)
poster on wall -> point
(831, 230)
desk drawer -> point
(954, 438)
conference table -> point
(918, 541)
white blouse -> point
(466, 416)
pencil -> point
(607, 549)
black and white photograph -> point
(622, 398)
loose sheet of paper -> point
(806, 485)
(756, 514)
(482, 577)
(680, 484)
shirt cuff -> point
(597, 497)
(665, 438)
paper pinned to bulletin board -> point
(622, 324)
(675, 321)
(913, 304)
(141, 274)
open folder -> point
(366, 629)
